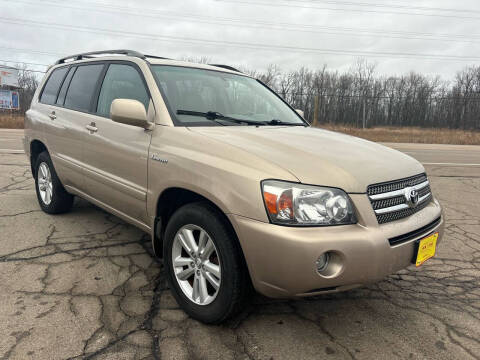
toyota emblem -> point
(411, 196)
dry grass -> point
(411, 135)
(11, 121)
(379, 134)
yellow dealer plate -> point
(426, 248)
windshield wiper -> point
(280, 122)
(214, 115)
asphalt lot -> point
(84, 285)
(11, 141)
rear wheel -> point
(51, 195)
(204, 263)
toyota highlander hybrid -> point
(235, 188)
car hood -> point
(319, 157)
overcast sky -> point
(252, 33)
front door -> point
(116, 155)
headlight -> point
(297, 204)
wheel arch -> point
(36, 148)
(170, 200)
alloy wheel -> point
(45, 185)
(196, 264)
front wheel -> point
(204, 263)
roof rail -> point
(102, 52)
(88, 55)
(228, 67)
(156, 57)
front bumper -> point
(281, 259)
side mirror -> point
(130, 112)
(300, 112)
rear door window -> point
(121, 82)
(82, 87)
(50, 91)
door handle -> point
(52, 115)
(91, 127)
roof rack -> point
(228, 67)
(89, 55)
(156, 57)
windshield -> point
(193, 94)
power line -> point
(23, 62)
(349, 9)
(384, 97)
(392, 6)
(30, 51)
(248, 45)
(337, 2)
(341, 31)
(155, 13)
(28, 70)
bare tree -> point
(197, 59)
(28, 83)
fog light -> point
(322, 262)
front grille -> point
(389, 201)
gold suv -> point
(233, 185)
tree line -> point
(360, 97)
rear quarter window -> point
(63, 90)
(82, 87)
(50, 90)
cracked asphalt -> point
(85, 285)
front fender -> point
(225, 175)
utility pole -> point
(364, 120)
(315, 111)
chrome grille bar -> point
(401, 206)
(395, 193)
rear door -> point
(73, 108)
(60, 129)
(116, 154)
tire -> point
(53, 198)
(234, 282)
